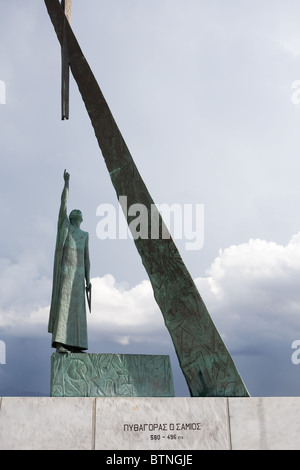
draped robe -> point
(67, 319)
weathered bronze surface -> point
(65, 64)
(204, 359)
(111, 375)
(67, 319)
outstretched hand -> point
(66, 176)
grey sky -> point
(202, 93)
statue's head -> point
(75, 217)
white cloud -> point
(18, 322)
(119, 314)
(124, 314)
(252, 293)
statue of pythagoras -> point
(67, 319)
(204, 359)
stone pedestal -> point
(159, 425)
(110, 375)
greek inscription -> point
(188, 426)
(159, 427)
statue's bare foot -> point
(61, 349)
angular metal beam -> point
(65, 62)
(203, 357)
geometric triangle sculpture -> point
(203, 357)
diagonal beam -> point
(204, 359)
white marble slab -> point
(46, 423)
(161, 423)
(269, 423)
(127, 423)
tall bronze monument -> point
(204, 359)
(67, 319)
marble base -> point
(265, 423)
(110, 375)
(156, 424)
(162, 423)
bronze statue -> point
(67, 320)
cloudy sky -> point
(205, 94)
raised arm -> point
(64, 198)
